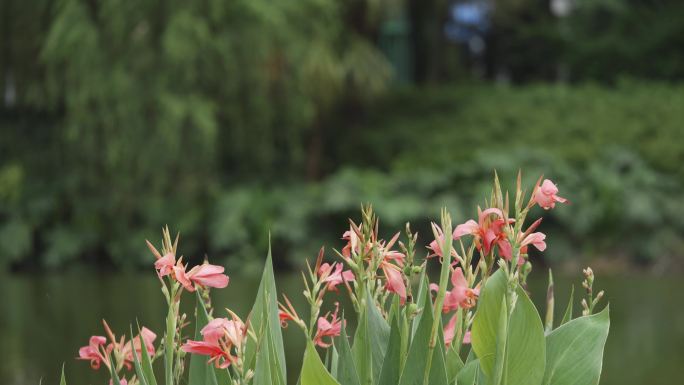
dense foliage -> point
(118, 118)
(402, 157)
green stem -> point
(170, 338)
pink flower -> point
(93, 353)
(327, 328)
(165, 264)
(204, 275)
(534, 239)
(333, 275)
(436, 245)
(148, 336)
(122, 381)
(460, 295)
(392, 255)
(214, 330)
(467, 337)
(488, 232)
(352, 239)
(545, 195)
(219, 337)
(220, 357)
(450, 330)
(395, 280)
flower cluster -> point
(384, 282)
(117, 352)
(223, 340)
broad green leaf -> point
(361, 351)
(370, 343)
(454, 364)
(346, 369)
(267, 356)
(468, 374)
(574, 351)
(62, 380)
(313, 371)
(568, 310)
(524, 359)
(146, 362)
(419, 350)
(391, 366)
(200, 372)
(136, 362)
(266, 305)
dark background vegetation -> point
(230, 119)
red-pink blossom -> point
(436, 245)
(93, 353)
(334, 275)
(460, 294)
(488, 232)
(534, 239)
(148, 336)
(328, 328)
(545, 195)
(165, 264)
(394, 280)
(219, 337)
(206, 275)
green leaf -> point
(200, 372)
(313, 370)
(346, 369)
(361, 350)
(416, 362)
(112, 371)
(370, 343)
(524, 358)
(266, 306)
(391, 366)
(62, 380)
(146, 362)
(454, 364)
(468, 374)
(574, 351)
(136, 362)
(568, 310)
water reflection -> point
(44, 320)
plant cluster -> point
(474, 325)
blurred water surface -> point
(45, 319)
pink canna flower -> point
(220, 357)
(450, 330)
(165, 264)
(219, 337)
(535, 239)
(460, 295)
(148, 337)
(122, 381)
(488, 232)
(206, 275)
(214, 330)
(334, 275)
(545, 195)
(326, 328)
(93, 352)
(436, 245)
(395, 280)
(467, 337)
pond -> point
(45, 319)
